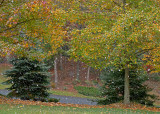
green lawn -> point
(66, 93)
(35, 109)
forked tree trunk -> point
(55, 72)
(88, 72)
(126, 86)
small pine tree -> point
(29, 79)
(113, 88)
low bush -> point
(53, 100)
(88, 91)
(48, 100)
(154, 76)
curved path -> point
(64, 99)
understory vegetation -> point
(88, 91)
(113, 88)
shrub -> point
(88, 91)
(53, 85)
(29, 79)
(53, 100)
(155, 77)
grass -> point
(66, 93)
(3, 68)
(40, 109)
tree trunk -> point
(8, 57)
(126, 77)
(126, 86)
(124, 4)
(55, 72)
(77, 78)
(88, 73)
(61, 64)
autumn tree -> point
(32, 29)
(27, 26)
(119, 33)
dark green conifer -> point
(29, 79)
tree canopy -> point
(121, 39)
(29, 25)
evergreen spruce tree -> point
(29, 79)
(113, 88)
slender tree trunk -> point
(126, 86)
(8, 57)
(61, 63)
(88, 72)
(55, 71)
(124, 4)
(126, 77)
(77, 78)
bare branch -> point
(143, 51)
(117, 4)
(1, 2)
(16, 25)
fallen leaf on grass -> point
(133, 106)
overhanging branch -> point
(143, 51)
(16, 25)
(117, 4)
(1, 3)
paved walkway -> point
(64, 99)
